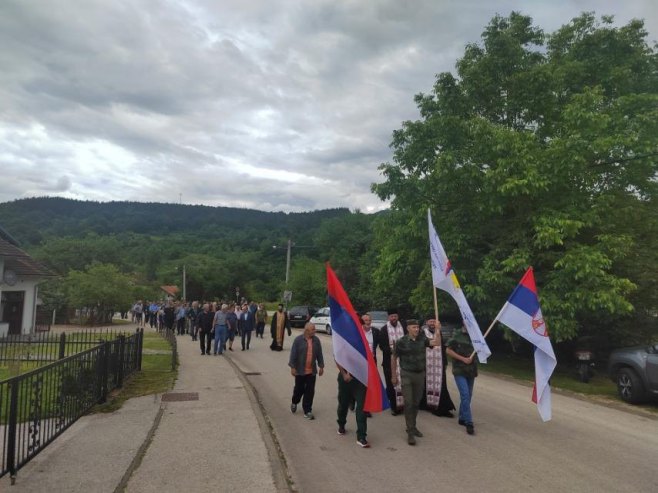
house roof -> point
(170, 290)
(19, 261)
(7, 237)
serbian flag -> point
(522, 314)
(351, 348)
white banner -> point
(444, 278)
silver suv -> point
(635, 371)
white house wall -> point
(29, 304)
(29, 301)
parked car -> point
(635, 371)
(299, 315)
(379, 318)
(322, 320)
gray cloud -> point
(275, 105)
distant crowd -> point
(218, 322)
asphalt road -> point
(586, 447)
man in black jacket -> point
(305, 362)
(204, 323)
(246, 324)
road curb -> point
(280, 472)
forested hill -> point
(32, 220)
(146, 245)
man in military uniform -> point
(464, 370)
(411, 350)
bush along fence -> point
(36, 407)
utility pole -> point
(184, 283)
(288, 261)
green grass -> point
(564, 378)
(156, 376)
(49, 349)
(8, 370)
(155, 342)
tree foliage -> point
(540, 151)
(100, 288)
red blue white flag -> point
(522, 314)
(351, 348)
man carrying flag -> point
(353, 357)
(464, 371)
(410, 349)
(522, 314)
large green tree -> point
(101, 289)
(540, 151)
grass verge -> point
(156, 376)
(563, 377)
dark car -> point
(299, 315)
(635, 371)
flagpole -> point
(484, 336)
(436, 314)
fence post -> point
(11, 430)
(103, 364)
(62, 345)
(122, 355)
(140, 347)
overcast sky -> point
(268, 104)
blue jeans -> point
(465, 387)
(220, 338)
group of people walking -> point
(161, 315)
(413, 358)
(216, 325)
(414, 361)
(213, 324)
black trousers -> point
(180, 326)
(348, 392)
(246, 334)
(304, 387)
(205, 340)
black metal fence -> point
(46, 347)
(36, 407)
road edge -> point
(283, 481)
(591, 398)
